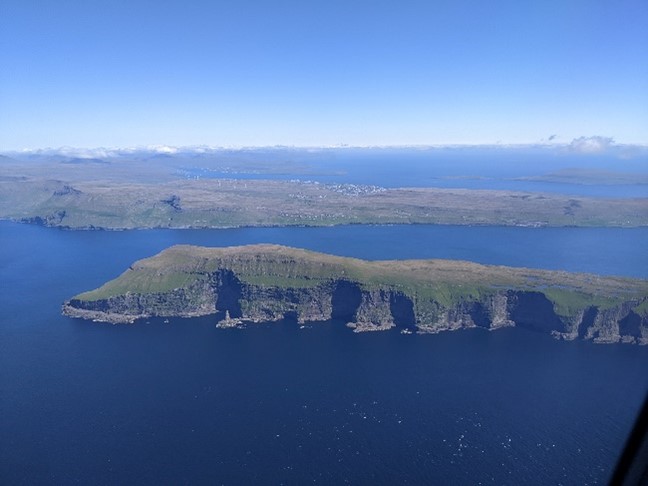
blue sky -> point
(135, 73)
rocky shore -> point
(265, 283)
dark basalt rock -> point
(365, 310)
(67, 190)
(345, 300)
(401, 308)
(228, 291)
(630, 325)
(173, 201)
(534, 311)
(53, 219)
(361, 305)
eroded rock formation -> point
(248, 288)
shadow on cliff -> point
(345, 301)
(480, 316)
(229, 292)
(587, 321)
(532, 310)
(402, 311)
(630, 325)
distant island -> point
(262, 283)
(589, 177)
(227, 203)
(245, 189)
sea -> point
(494, 168)
(179, 401)
(182, 402)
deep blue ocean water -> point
(186, 403)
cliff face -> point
(366, 306)
(193, 301)
(367, 310)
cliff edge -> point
(261, 283)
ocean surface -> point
(467, 168)
(186, 403)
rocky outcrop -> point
(67, 190)
(230, 290)
(367, 309)
(173, 201)
(193, 301)
(53, 219)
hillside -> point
(260, 283)
(222, 203)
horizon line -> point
(205, 148)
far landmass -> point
(226, 203)
(214, 191)
(262, 283)
(587, 177)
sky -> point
(319, 73)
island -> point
(265, 283)
(229, 203)
(257, 189)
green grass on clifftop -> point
(445, 281)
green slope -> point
(445, 281)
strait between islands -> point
(261, 283)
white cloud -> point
(84, 153)
(162, 149)
(591, 145)
(77, 152)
